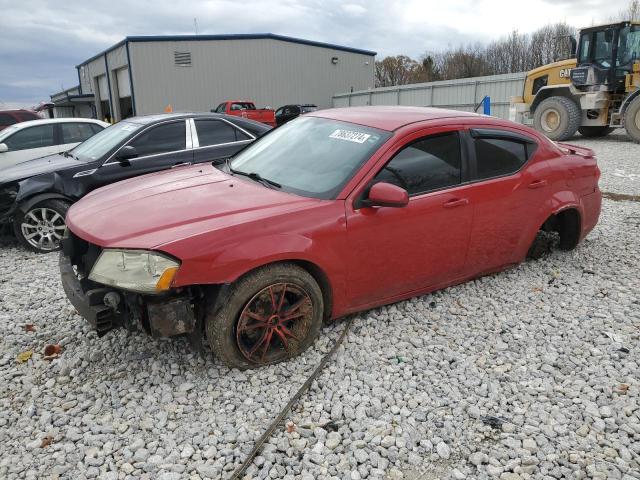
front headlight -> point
(136, 270)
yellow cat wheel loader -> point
(593, 93)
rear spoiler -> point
(574, 150)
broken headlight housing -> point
(136, 270)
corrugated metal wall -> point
(461, 94)
(269, 72)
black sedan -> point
(289, 112)
(35, 195)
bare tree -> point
(514, 53)
(632, 11)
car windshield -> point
(309, 156)
(104, 142)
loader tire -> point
(558, 118)
(632, 120)
(594, 132)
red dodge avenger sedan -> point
(334, 212)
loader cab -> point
(605, 55)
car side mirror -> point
(385, 194)
(3, 148)
(125, 154)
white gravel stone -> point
(549, 346)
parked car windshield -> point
(105, 141)
(309, 156)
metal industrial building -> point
(152, 74)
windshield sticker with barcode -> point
(350, 136)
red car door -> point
(510, 191)
(395, 251)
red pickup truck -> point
(242, 108)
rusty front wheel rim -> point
(274, 323)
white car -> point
(37, 138)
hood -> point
(30, 168)
(164, 207)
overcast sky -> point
(41, 41)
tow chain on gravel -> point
(283, 413)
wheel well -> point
(568, 224)
(319, 276)
(216, 291)
(627, 101)
(26, 204)
(545, 93)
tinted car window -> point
(6, 119)
(221, 108)
(76, 132)
(168, 137)
(497, 157)
(428, 164)
(214, 132)
(32, 137)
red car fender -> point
(257, 252)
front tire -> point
(558, 118)
(41, 227)
(270, 315)
(595, 132)
(632, 120)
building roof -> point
(234, 36)
(388, 117)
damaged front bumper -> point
(106, 308)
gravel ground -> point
(530, 373)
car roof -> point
(389, 117)
(46, 121)
(149, 119)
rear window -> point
(497, 157)
(215, 132)
(242, 106)
(76, 132)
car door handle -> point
(538, 184)
(180, 164)
(456, 202)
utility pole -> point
(195, 25)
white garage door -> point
(124, 88)
(103, 86)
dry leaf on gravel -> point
(46, 441)
(51, 351)
(24, 356)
